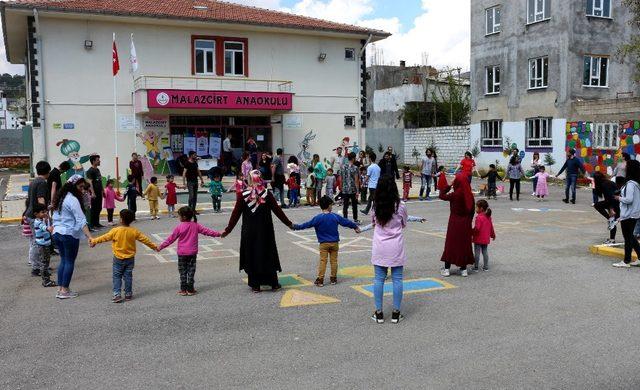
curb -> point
(609, 251)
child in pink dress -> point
(542, 189)
(110, 197)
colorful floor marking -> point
(439, 235)
(289, 281)
(545, 210)
(357, 272)
(309, 242)
(208, 249)
(295, 297)
(413, 286)
(616, 251)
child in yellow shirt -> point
(152, 193)
(123, 242)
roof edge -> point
(18, 6)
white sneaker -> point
(445, 272)
(609, 241)
(635, 263)
(612, 223)
(621, 264)
(464, 273)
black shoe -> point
(35, 272)
(276, 287)
(573, 201)
(49, 283)
(565, 200)
(396, 317)
(364, 212)
(100, 226)
(378, 317)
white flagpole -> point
(133, 61)
(115, 119)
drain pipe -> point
(43, 128)
(364, 80)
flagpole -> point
(115, 121)
(133, 92)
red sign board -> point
(219, 100)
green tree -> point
(12, 85)
(631, 49)
(454, 100)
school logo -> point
(162, 99)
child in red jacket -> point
(482, 233)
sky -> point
(437, 29)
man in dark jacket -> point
(573, 166)
(389, 166)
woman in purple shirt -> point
(389, 219)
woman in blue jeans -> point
(390, 218)
(69, 224)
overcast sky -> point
(437, 28)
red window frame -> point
(220, 40)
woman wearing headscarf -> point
(457, 246)
(258, 250)
(69, 224)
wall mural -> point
(304, 156)
(71, 150)
(580, 137)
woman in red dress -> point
(457, 246)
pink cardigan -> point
(187, 235)
(483, 231)
(110, 198)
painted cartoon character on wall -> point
(71, 150)
(150, 139)
(304, 156)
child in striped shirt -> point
(42, 236)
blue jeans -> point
(534, 181)
(378, 286)
(68, 248)
(294, 197)
(123, 269)
(425, 184)
(571, 182)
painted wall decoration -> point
(151, 141)
(580, 137)
(71, 150)
(304, 156)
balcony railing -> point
(212, 84)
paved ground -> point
(549, 314)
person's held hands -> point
(358, 230)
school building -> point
(201, 70)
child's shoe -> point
(116, 299)
(128, 297)
(464, 273)
(485, 268)
(35, 272)
(334, 280)
(396, 317)
(192, 292)
(182, 293)
(49, 283)
(319, 282)
(378, 317)
(276, 287)
(445, 272)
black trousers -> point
(448, 266)
(346, 198)
(603, 208)
(372, 197)
(110, 215)
(187, 270)
(630, 241)
(192, 187)
(514, 183)
(96, 208)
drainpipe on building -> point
(364, 79)
(43, 128)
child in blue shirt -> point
(216, 190)
(131, 194)
(42, 235)
(326, 226)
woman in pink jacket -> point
(483, 233)
(389, 219)
(187, 235)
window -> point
(234, 59)
(538, 10)
(493, 20)
(349, 121)
(539, 133)
(350, 54)
(599, 8)
(205, 56)
(491, 134)
(605, 136)
(493, 80)
(538, 72)
(596, 71)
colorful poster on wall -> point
(202, 145)
(177, 144)
(167, 154)
(189, 144)
(215, 146)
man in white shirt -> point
(373, 175)
(227, 154)
(426, 174)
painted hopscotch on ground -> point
(307, 240)
(208, 249)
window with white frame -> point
(493, 20)
(606, 136)
(349, 121)
(538, 72)
(491, 133)
(205, 56)
(233, 58)
(596, 71)
(492, 80)
(538, 10)
(599, 8)
(539, 133)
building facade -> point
(204, 70)
(545, 78)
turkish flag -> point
(116, 61)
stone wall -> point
(451, 143)
(385, 137)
